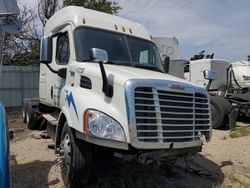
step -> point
(52, 120)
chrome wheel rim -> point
(27, 118)
(23, 114)
(65, 152)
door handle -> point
(51, 92)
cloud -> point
(221, 26)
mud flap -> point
(232, 116)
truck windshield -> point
(122, 49)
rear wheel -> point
(36, 121)
(24, 115)
(75, 159)
(32, 118)
(24, 103)
(28, 115)
(220, 107)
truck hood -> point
(120, 74)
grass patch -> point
(239, 132)
(216, 186)
(236, 180)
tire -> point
(28, 114)
(75, 159)
(103, 157)
(24, 107)
(220, 107)
(24, 115)
(36, 121)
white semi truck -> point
(230, 91)
(231, 74)
(103, 88)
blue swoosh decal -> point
(70, 100)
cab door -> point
(61, 57)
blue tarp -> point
(4, 151)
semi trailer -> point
(103, 90)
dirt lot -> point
(224, 162)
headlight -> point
(100, 125)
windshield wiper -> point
(146, 67)
(110, 62)
(89, 60)
(137, 65)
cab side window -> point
(62, 49)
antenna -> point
(8, 22)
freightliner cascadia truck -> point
(103, 90)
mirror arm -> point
(52, 70)
(61, 72)
(166, 63)
(106, 87)
(208, 85)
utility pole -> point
(2, 33)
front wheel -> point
(75, 156)
(220, 107)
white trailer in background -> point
(196, 68)
(170, 53)
(168, 47)
(230, 74)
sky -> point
(221, 27)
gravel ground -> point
(224, 162)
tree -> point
(23, 48)
(100, 5)
(46, 9)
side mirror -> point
(101, 56)
(46, 50)
(98, 55)
(209, 75)
(166, 64)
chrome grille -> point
(170, 116)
